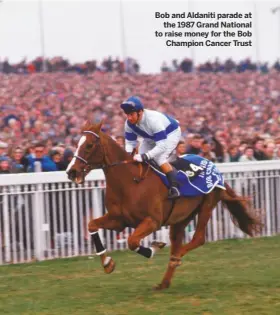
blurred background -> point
(64, 61)
(93, 30)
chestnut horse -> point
(144, 205)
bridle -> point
(89, 167)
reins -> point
(141, 175)
(105, 166)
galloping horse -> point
(144, 205)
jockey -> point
(161, 135)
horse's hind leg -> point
(177, 233)
(204, 215)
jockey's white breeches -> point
(171, 143)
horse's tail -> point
(240, 207)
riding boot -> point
(174, 192)
(189, 168)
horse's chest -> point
(132, 209)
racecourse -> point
(227, 277)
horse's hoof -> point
(110, 267)
(161, 286)
(157, 244)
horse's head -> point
(89, 154)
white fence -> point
(44, 215)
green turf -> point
(229, 277)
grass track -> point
(229, 277)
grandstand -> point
(230, 105)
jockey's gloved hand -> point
(141, 157)
(137, 157)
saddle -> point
(195, 175)
(183, 165)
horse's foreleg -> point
(146, 227)
(109, 223)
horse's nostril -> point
(71, 174)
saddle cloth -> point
(209, 177)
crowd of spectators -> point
(224, 116)
(61, 64)
(131, 66)
(186, 65)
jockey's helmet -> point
(132, 104)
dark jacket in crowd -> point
(259, 155)
(192, 150)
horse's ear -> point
(99, 125)
(86, 126)
(88, 123)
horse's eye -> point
(88, 146)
